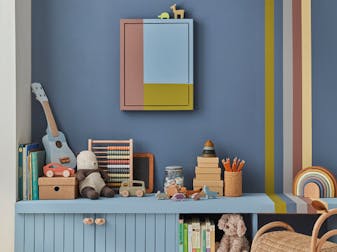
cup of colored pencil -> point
(233, 177)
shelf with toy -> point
(149, 204)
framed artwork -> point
(156, 64)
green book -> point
(203, 239)
(37, 161)
(185, 237)
(181, 235)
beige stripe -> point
(306, 85)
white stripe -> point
(301, 205)
(287, 97)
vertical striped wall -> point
(296, 94)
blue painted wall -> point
(76, 57)
(324, 78)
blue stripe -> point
(291, 205)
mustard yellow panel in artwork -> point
(168, 96)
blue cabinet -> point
(121, 232)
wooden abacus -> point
(115, 157)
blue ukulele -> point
(55, 144)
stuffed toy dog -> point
(91, 179)
(233, 239)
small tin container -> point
(173, 176)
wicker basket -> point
(233, 184)
(290, 241)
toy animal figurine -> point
(208, 193)
(161, 196)
(234, 229)
(178, 197)
(91, 178)
(196, 196)
(176, 12)
(164, 15)
(189, 193)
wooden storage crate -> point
(58, 188)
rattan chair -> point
(290, 241)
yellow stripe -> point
(306, 85)
(269, 96)
(280, 204)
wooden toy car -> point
(132, 188)
(55, 169)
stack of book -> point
(208, 173)
(196, 235)
(30, 164)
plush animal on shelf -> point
(233, 239)
(91, 179)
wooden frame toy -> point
(116, 158)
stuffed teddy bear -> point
(91, 178)
(233, 239)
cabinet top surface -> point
(248, 203)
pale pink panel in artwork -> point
(132, 65)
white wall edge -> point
(15, 125)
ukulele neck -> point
(50, 119)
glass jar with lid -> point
(173, 176)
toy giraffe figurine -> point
(177, 12)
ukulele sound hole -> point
(58, 144)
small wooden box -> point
(58, 188)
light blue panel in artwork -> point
(161, 232)
(78, 233)
(49, 238)
(59, 232)
(110, 236)
(140, 232)
(39, 232)
(69, 233)
(120, 232)
(19, 232)
(150, 233)
(89, 235)
(130, 224)
(171, 232)
(29, 233)
(166, 53)
(100, 235)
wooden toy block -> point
(58, 188)
(210, 183)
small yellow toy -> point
(164, 15)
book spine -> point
(212, 237)
(208, 237)
(185, 237)
(35, 176)
(203, 240)
(20, 172)
(181, 235)
(24, 174)
(189, 237)
(30, 180)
